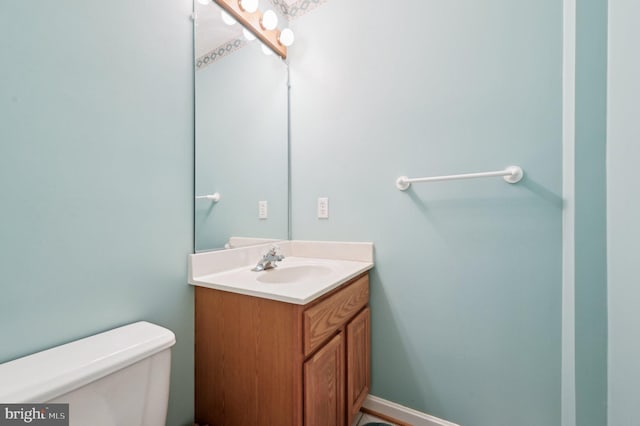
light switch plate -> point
(323, 208)
(263, 210)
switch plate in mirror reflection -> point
(241, 135)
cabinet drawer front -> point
(322, 320)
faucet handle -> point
(275, 252)
(275, 249)
(269, 259)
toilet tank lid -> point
(45, 375)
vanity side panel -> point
(278, 328)
(248, 367)
(208, 356)
(358, 362)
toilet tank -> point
(116, 378)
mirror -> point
(241, 131)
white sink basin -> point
(296, 280)
(292, 274)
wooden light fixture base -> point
(251, 21)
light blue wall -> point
(241, 147)
(590, 213)
(96, 172)
(623, 210)
(466, 293)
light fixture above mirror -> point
(258, 24)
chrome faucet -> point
(269, 260)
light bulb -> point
(248, 5)
(266, 50)
(248, 35)
(226, 18)
(204, 2)
(269, 20)
(286, 37)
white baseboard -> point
(402, 413)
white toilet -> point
(116, 378)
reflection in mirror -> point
(241, 136)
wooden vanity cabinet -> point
(260, 361)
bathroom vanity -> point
(279, 359)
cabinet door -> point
(358, 362)
(324, 385)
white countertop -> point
(319, 267)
